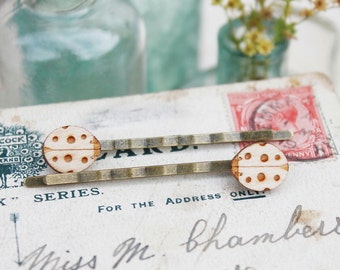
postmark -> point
(292, 109)
(20, 155)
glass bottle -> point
(235, 66)
(172, 30)
(79, 49)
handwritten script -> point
(202, 237)
(198, 240)
(42, 259)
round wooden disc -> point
(260, 166)
(70, 149)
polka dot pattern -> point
(260, 166)
(71, 149)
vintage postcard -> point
(191, 221)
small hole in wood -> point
(277, 177)
(247, 156)
(71, 139)
(55, 138)
(68, 158)
(261, 177)
(248, 179)
(277, 157)
(83, 136)
(84, 160)
(55, 159)
(264, 157)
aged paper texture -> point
(205, 221)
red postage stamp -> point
(291, 109)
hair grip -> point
(74, 149)
(259, 166)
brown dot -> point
(68, 158)
(247, 156)
(55, 159)
(71, 139)
(84, 160)
(83, 136)
(277, 177)
(70, 171)
(248, 179)
(262, 143)
(264, 157)
(65, 127)
(261, 177)
(277, 157)
(55, 138)
(266, 189)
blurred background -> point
(55, 51)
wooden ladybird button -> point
(70, 149)
(260, 166)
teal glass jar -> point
(172, 30)
(79, 49)
(235, 66)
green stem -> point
(287, 10)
